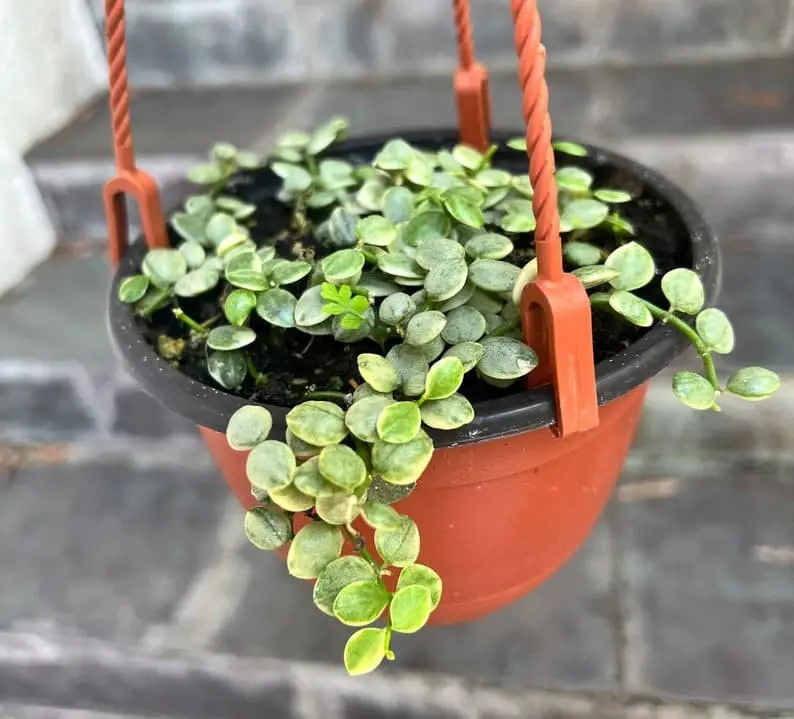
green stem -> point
(189, 321)
(259, 377)
(486, 158)
(669, 318)
(311, 165)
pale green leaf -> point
(270, 465)
(399, 422)
(410, 609)
(402, 463)
(247, 427)
(267, 528)
(318, 423)
(315, 546)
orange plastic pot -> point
(504, 503)
(498, 518)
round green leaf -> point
(595, 275)
(438, 252)
(336, 576)
(518, 143)
(411, 367)
(295, 140)
(361, 419)
(308, 479)
(433, 349)
(277, 307)
(402, 463)
(247, 427)
(450, 413)
(582, 254)
(337, 507)
(291, 499)
(399, 422)
(336, 174)
(229, 337)
(613, 197)
(341, 229)
(381, 516)
(469, 353)
(753, 383)
(573, 179)
(397, 264)
(716, 330)
(133, 288)
(245, 270)
(296, 178)
(459, 204)
(505, 358)
(302, 450)
(342, 467)
(444, 378)
(315, 546)
(570, 148)
(684, 290)
(318, 423)
(193, 253)
(424, 327)
(286, 272)
(397, 309)
(270, 465)
(342, 265)
(309, 310)
(493, 275)
(220, 226)
(267, 528)
(493, 178)
(425, 226)
(489, 246)
(376, 230)
(464, 324)
(364, 390)
(398, 204)
(398, 547)
(585, 214)
(360, 603)
(635, 265)
(365, 651)
(631, 307)
(370, 196)
(205, 174)
(377, 285)
(235, 241)
(378, 372)
(467, 156)
(238, 305)
(228, 369)
(382, 491)
(323, 137)
(694, 390)
(417, 575)
(164, 267)
(518, 223)
(446, 281)
(410, 609)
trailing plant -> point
(423, 254)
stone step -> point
(721, 129)
(189, 43)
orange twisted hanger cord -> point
(129, 179)
(555, 308)
(535, 108)
(119, 91)
(471, 84)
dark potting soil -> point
(294, 364)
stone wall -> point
(259, 41)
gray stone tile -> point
(707, 589)
(58, 315)
(104, 549)
(136, 414)
(391, 105)
(741, 96)
(651, 29)
(559, 636)
(43, 409)
(172, 122)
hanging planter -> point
(394, 337)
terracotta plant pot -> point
(504, 503)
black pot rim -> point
(497, 418)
